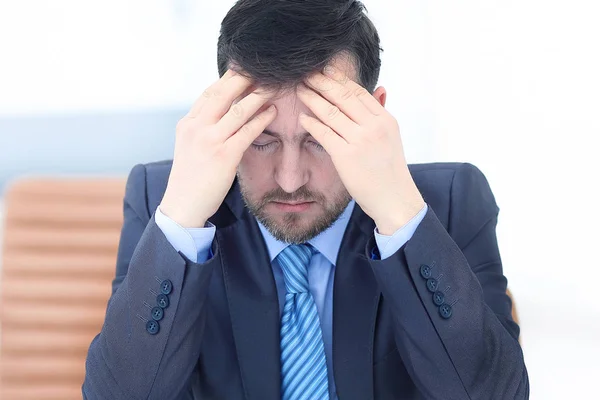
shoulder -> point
(452, 189)
(146, 186)
(444, 173)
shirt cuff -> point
(388, 245)
(194, 243)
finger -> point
(322, 133)
(216, 100)
(240, 113)
(242, 139)
(328, 113)
(343, 93)
(220, 101)
(359, 91)
(197, 106)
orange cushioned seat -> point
(60, 246)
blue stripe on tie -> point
(303, 364)
(311, 349)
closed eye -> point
(316, 145)
(263, 147)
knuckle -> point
(180, 125)
(260, 116)
(221, 153)
(259, 119)
(327, 131)
(237, 110)
(361, 92)
(246, 130)
(332, 112)
(346, 94)
(388, 122)
(208, 93)
(183, 125)
(380, 132)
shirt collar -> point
(327, 242)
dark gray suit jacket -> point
(219, 336)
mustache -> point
(301, 195)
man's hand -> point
(209, 145)
(364, 143)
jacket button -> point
(438, 298)
(425, 271)
(162, 300)
(152, 327)
(157, 313)
(446, 311)
(166, 287)
(432, 284)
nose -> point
(291, 173)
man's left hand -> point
(363, 140)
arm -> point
(125, 361)
(474, 352)
(130, 359)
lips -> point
(292, 206)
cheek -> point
(249, 164)
(326, 177)
(254, 169)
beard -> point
(295, 228)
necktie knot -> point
(294, 261)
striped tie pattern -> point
(303, 365)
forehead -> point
(289, 106)
(286, 124)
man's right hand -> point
(210, 142)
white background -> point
(510, 86)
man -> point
(289, 252)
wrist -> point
(181, 218)
(395, 219)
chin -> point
(291, 224)
(294, 228)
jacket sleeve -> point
(134, 356)
(453, 324)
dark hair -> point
(278, 43)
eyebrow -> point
(298, 137)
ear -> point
(381, 95)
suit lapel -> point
(355, 301)
(253, 301)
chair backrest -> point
(515, 315)
(60, 244)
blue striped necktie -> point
(303, 365)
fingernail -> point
(271, 108)
(329, 70)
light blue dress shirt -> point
(195, 243)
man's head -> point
(278, 44)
